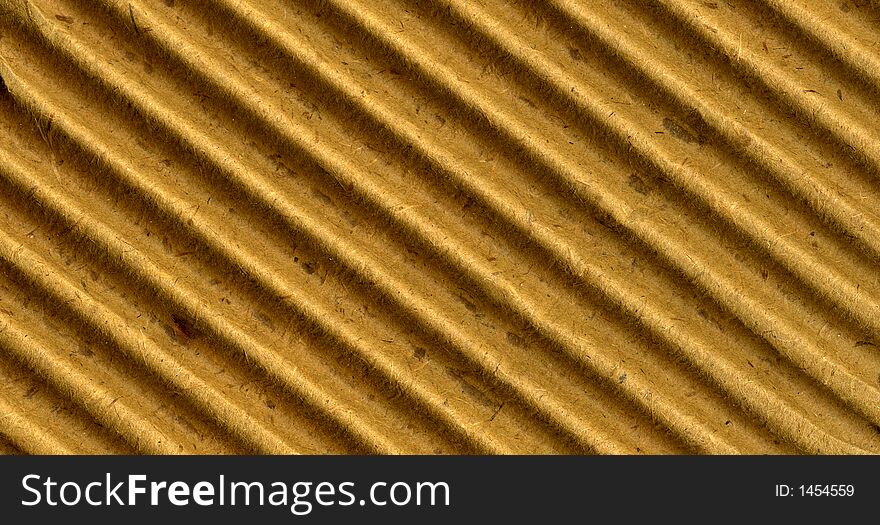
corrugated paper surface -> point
(456, 226)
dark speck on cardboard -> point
(85, 351)
(467, 303)
(678, 131)
(515, 339)
(635, 182)
(183, 330)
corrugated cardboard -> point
(240, 226)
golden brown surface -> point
(359, 226)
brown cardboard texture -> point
(473, 227)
